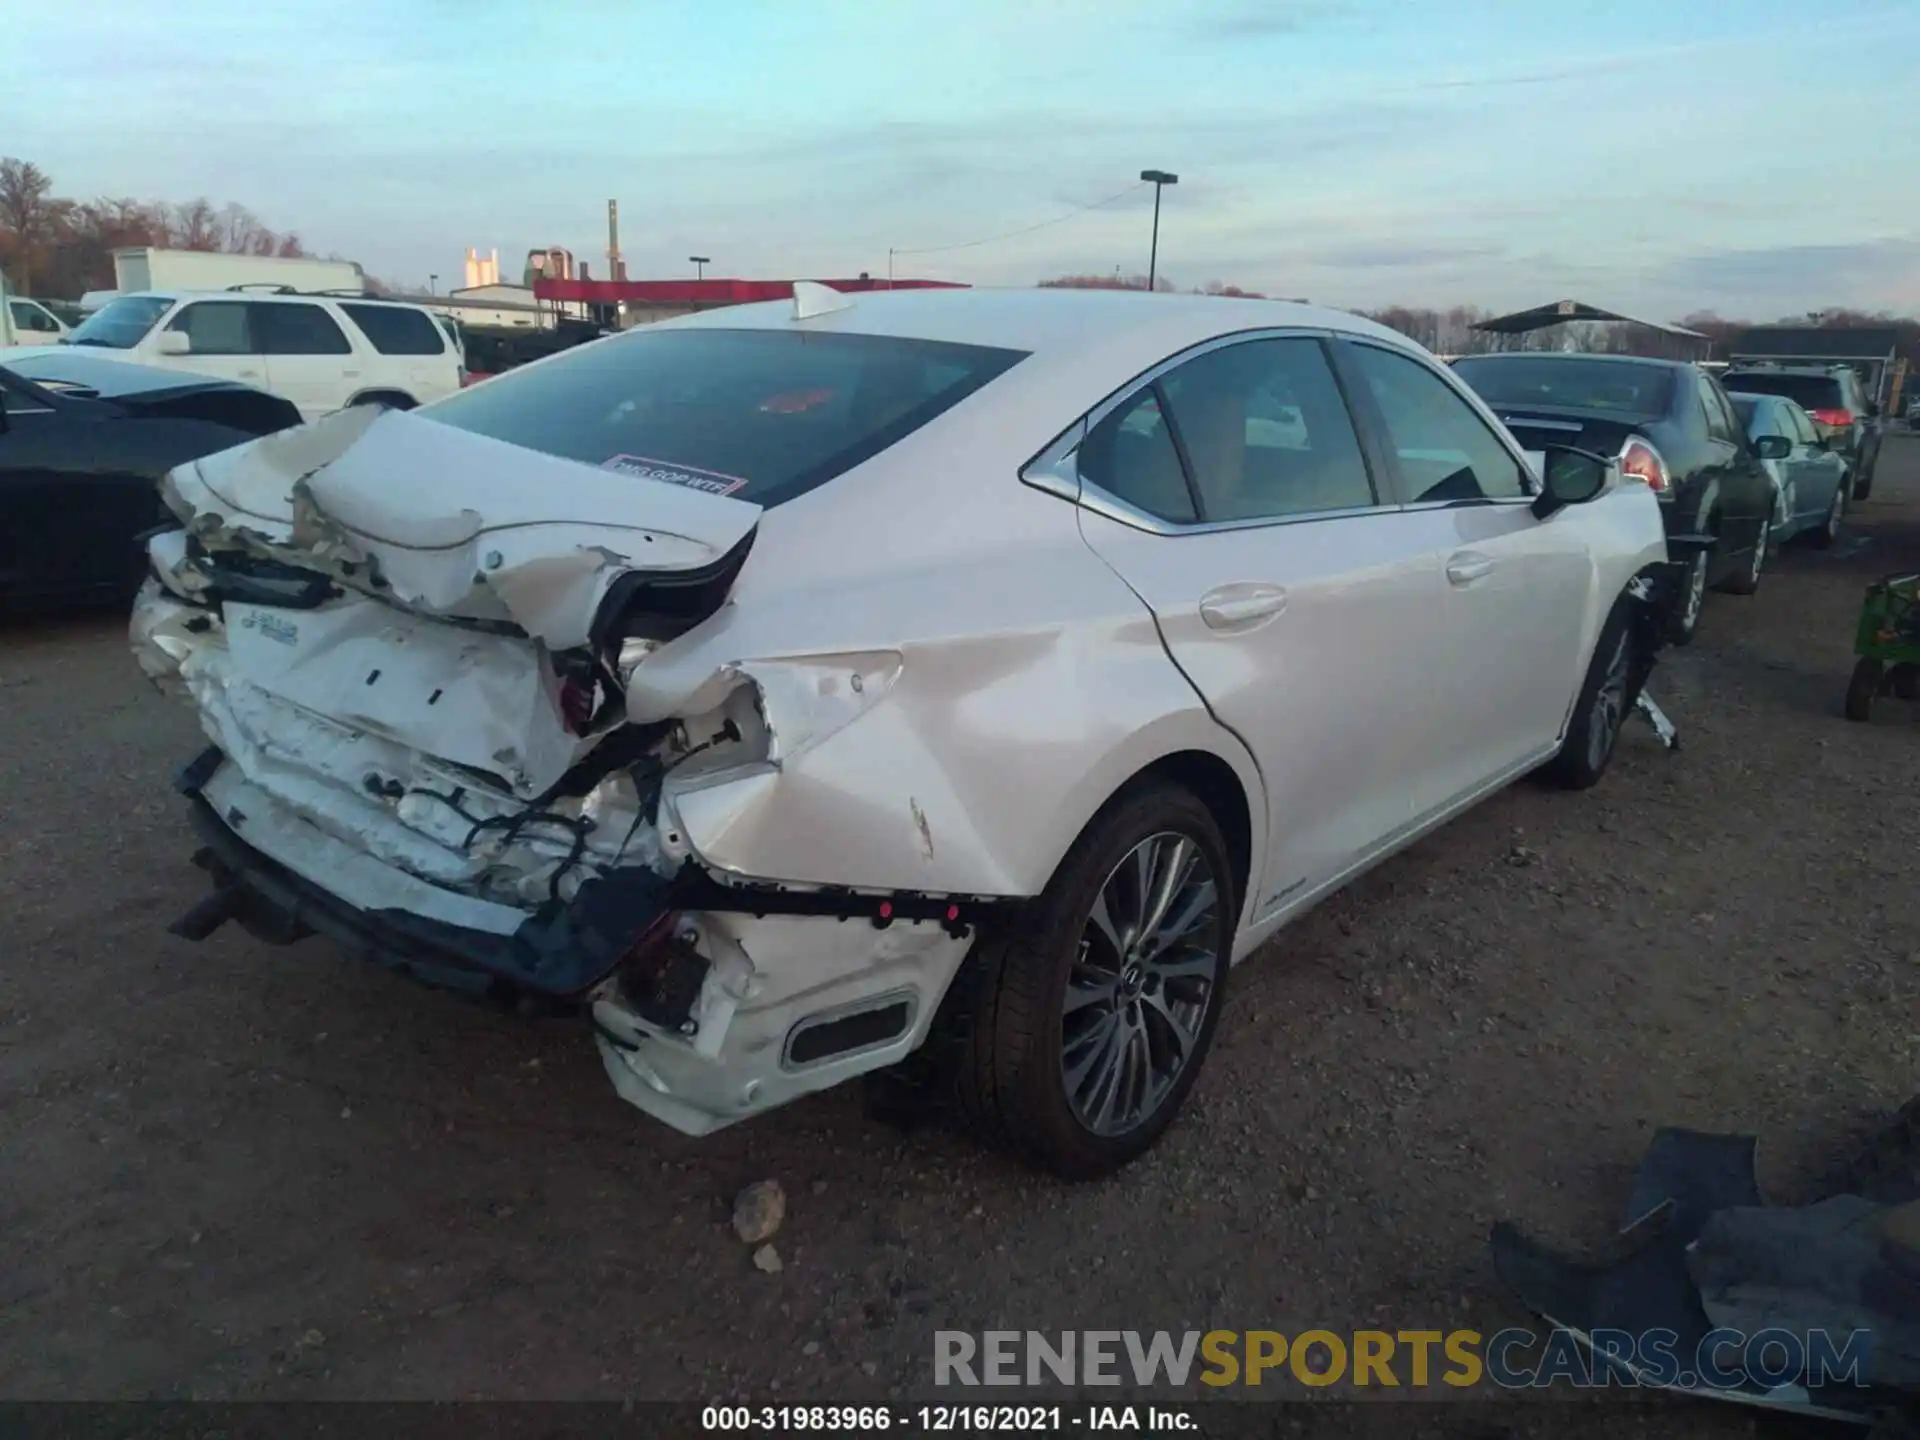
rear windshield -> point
(1570, 381)
(120, 324)
(1813, 392)
(763, 415)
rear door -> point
(1746, 490)
(1816, 470)
(221, 342)
(309, 358)
(1233, 494)
(415, 355)
(1515, 593)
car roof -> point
(55, 366)
(1043, 321)
(268, 296)
(1560, 355)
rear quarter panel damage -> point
(994, 739)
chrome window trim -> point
(1055, 470)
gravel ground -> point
(239, 1172)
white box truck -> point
(145, 268)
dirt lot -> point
(234, 1172)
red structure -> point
(706, 292)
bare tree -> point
(30, 218)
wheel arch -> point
(386, 395)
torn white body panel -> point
(811, 968)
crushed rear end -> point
(430, 740)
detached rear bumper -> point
(694, 1027)
(558, 953)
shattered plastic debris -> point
(1699, 1248)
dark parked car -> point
(84, 441)
(1672, 427)
(1835, 397)
(1810, 481)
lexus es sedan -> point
(957, 679)
(84, 445)
(1673, 429)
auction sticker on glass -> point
(667, 473)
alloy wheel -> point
(1609, 705)
(1145, 974)
(1696, 591)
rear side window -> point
(1720, 422)
(1445, 451)
(763, 415)
(1810, 392)
(1131, 455)
(396, 330)
(299, 330)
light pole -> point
(700, 263)
(1156, 178)
(432, 282)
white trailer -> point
(145, 268)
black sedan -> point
(84, 441)
(1672, 427)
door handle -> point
(1238, 607)
(1467, 567)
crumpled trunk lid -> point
(446, 522)
(411, 637)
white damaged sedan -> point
(951, 681)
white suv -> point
(322, 352)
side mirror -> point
(1569, 477)
(1773, 447)
(175, 342)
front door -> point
(1516, 591)
(220, 342)
(1231, 492)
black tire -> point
(1010, 1085)
(1685, 622)
(1863, 484)
(1861, 689)
(1746, 580)
(1593, 734)
(1903, 682)
(1829, 531)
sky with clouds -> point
(1663, 156)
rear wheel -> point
(1829, 531)
(1865, 684)
(1088, 1015)
(1686, 618)
(1746, 580)
(1601, 709)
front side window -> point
(1132, 456)
(120, 324)
(1445, 451)
(764, 415)
(1266, 432)
(216, 327)
(29, 316)
(298, 330)
(396, 330)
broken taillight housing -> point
(1640, 461)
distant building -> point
(482, 270)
